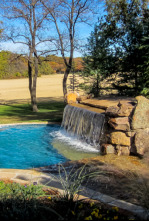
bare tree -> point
(29, 18)
(66, 14)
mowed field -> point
(16, 90)
(15, 103)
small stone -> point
(83, 97)
(71, 98)
(110, 149)
(107, 149)
(122, 150)
(112, 111)
(130, 133)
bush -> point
(45, 68)
(145, 92)
(32, 202)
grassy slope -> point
(16, 113)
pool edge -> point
(25, 123)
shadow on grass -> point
(51, 111)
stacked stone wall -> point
(126, 129)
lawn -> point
(16, 113)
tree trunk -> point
(67, 71)
(33, 97)
(34, 100)
(30, 76)
(32, 84)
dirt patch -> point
(48, 87)
(16, 90)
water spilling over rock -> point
(86, 125)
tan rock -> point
(112, 111)
(130, 133)
(107, 149)
(140, 118)
(126, 109)
(142, 141)
(103, 104)
(83, 97)
(110, 149)
(122, 150)
(119, 138)
(120, 123)
(71, 98)
(122, 109)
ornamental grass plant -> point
(36, 202)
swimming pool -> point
(28, 146)
(36, 145)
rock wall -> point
(140, 126)
(118, 133)
(126, 128)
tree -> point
(127, 25)
(45, 68)
(144, 50)
(1, 29)
(120, 37)
(28, 18)
(99, 60)
(66, 15)
(4, 63)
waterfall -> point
(85, 124)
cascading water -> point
(85, 124)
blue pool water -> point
(28, 146)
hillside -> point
(16, 66)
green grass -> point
(51, 111)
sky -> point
(83, 32)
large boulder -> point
(141, 141)
(140, 118)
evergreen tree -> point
(120, 44)
(99, 60)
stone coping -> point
(32, 123)
(29, 176)
(89, 108)
(106, 103)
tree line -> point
(14, 65)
